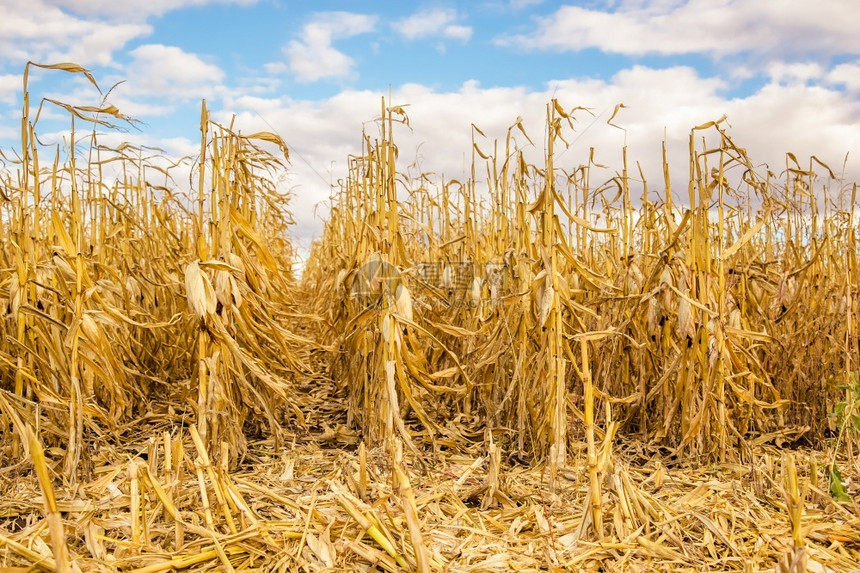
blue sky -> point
(785, 72)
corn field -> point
(529, 369)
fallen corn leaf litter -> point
(304, 508)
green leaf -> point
(837, 488)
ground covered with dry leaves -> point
(321, 501)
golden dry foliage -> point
(99, 327)
(523, 371)
(699, 327)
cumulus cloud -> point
(437, 22)
(39, 31)
(87, 32)
(313, 57)
(140, 10)
(847, 74)
(788, 72)
(169, 72)
(635, 27)
(8, 132)
(10, 87)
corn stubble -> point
(488, 374)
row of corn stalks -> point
(124, 298)
(541, 309)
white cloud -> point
(8, 132)
(36, 30)
(795, 72)
(276, 68)
(139, 10)
(311, 62)
(432, 23)
(635, 27)
(97, 47)
(87, 32)
(847, 74)
(456, 32)
(169, 72)
(10, 87)
(313, 57)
